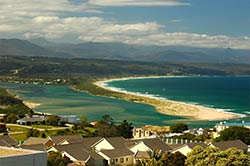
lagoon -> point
(207, 91)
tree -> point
(106, 130)
(213, 156)
(234, 133)
(43, 135)
(53, 120)
(125, 129)
(11, 118)
(56, 159)
(33, 133)
(158, 158)
(174, 159)
(107, 119)
(178, 127)
(83, 120)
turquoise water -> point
(62, 100)
(227, 93)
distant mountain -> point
(26, 48)
(120, 51)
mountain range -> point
(120, 51)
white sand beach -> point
(169, 107)
(31, 105)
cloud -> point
(137, 3)
(53, 20)
(32, 8)
(176, 21)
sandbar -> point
(31, 105)
(169, 107)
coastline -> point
(169, 107)
(31, 105)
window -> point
(121, 160)
(126, 158)
(116, 160)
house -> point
(17, 156)
(39, 147)
(141, 133)
(97, 151)
(223, 125)
(34, 143)
(62, 139)
(141, 147)
(34, 140)
(7, 141)
(70, 118)
(79, 154)
(199, 131)
(114, 150)
(224, 145)
(29, 120)
(188, 147)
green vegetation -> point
(19, 136)
(178, 127)
(211, 156)
(12, 106)
(56, 70)
(81, 73)
(157, 158)
(106, 128)
(56, 159)
(234, 133)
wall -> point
(104, 144)
(34, 159)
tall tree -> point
(234, 133)
(107, 119)
(125, 129)
(53, 120)
(178, 127)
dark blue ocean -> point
(230, 94)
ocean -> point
(224, 93)
(230, 94)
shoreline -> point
(169, 107)
(31, 105)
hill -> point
(125, 52)
(44, 67)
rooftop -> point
(10, 152)
(6, 151)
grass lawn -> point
(43, 126)
(19, 137)
(13, 128)
(90, 129)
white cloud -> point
(48, 19)
(137, 3)
(176, 21)
(45, 19)
(32, 8)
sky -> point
(196, 23)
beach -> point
(31, 105)
(169, 107)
